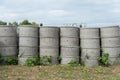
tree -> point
(3, 23)
(25, 22)
(13, 23)
(34, 23)
(10, 24)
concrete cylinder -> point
(66, 41)
(108, 32)
(28, 42)
(8, 41)
(90, 46)
(69, 42)
(90, 43)
(110, 43)
(90, 53)
(69, 32)
(89, 33)
(49, 42)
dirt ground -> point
(59, 72)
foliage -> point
(26, 22)
(13, 23)
(11, 61)
(45, 60)
(36, 60)
(1, 59)
(34, 24)
(29, 62)
(104, 59)
(73, 63)
(33, 61)
(3, 23)
(59, 58)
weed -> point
(33, 61)
(29, 62)
(1, 59)
(36, 60)
(73, 63)
(11, 61)
(119, 55)
(104, 59)
(59, 58)
(45, 60)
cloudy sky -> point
(59, 12)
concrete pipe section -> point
(110, 43)
(90, 46)
(69, 42)
(49, 42)
(28, 42)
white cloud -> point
(116, 10)
(103, 1)
(58, 13)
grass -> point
(59, 72)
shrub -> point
(1, 59)
(45, 60)
(73, 63)
(59, 58)
(36, 60)
(11, 61)
(104, 59)
(29, 62)
(33, 61)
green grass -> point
(59, 72)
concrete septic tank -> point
(89, 33)
(28, 42)
(109, 32)
(49, 42)
(90, 43)
(69, 42)
(90, 46)
(110, 43)
(8, 41)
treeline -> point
(24, 22)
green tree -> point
(10, 24)
(34, 23)
(25, 22)
(15, 23)
(3, 23)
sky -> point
(62, 12)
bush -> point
(11, 61)
(33, 61)
(1, 59)
(36, 60)
(73, 63)
(29, 62)
(59, 58)
(104, 59)
(45, 60)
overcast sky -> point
(59, 12)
